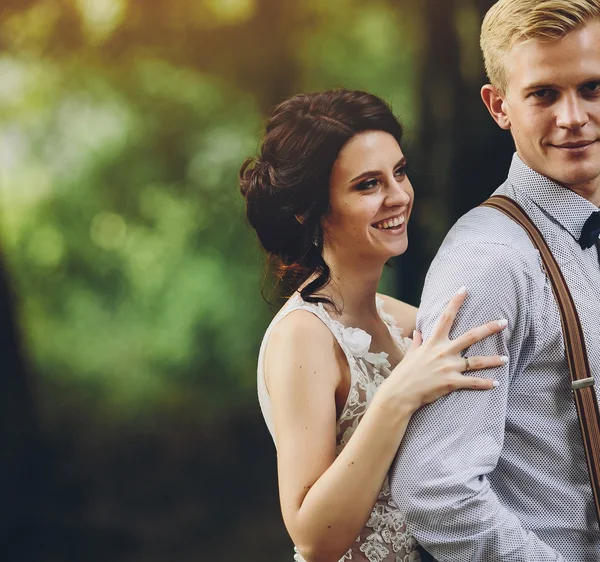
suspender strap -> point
(582, 382)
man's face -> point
(552, 107)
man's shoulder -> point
(486, 244)
(484, 227)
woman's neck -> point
(353, 288)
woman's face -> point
(371, 199)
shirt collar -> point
(563, 205)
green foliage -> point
(139, 280)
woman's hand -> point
(435, 368)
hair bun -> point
(270, 211)
(246, 177)
(256, 178)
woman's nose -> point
(398, 193)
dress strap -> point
(390, 321)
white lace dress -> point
(384, 537)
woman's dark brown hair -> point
(287, 187)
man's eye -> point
(592, 88)
(368, 184)
(542, 94)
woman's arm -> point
(404, 313)
(325, 500)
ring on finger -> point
(467, 366)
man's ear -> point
(496, 105)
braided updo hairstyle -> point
(286, 187)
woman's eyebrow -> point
(368, 173)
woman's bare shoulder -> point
(300, 346)
(300, 328)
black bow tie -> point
(591, 231)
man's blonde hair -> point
(509, 22)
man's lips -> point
(575, 144)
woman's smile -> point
(392, 225)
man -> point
(502, 475)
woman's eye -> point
(400, 172)
(368, 184)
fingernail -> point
(504, 359)
(414, 334)
(503, 323)
(496, 384)
(462, 290)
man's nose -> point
(571, 112)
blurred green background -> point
(130, 306)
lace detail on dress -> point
(384, 537)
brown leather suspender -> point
(582, 382)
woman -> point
(330, 201)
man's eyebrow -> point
(547, 86)
(590, 80)
(539, 86)
(369, 173)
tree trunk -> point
(20, 463)
(461, 154)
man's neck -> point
(588, 190)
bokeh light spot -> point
(46, 246)
(101, 17)
(108, 230)
(232, 11)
